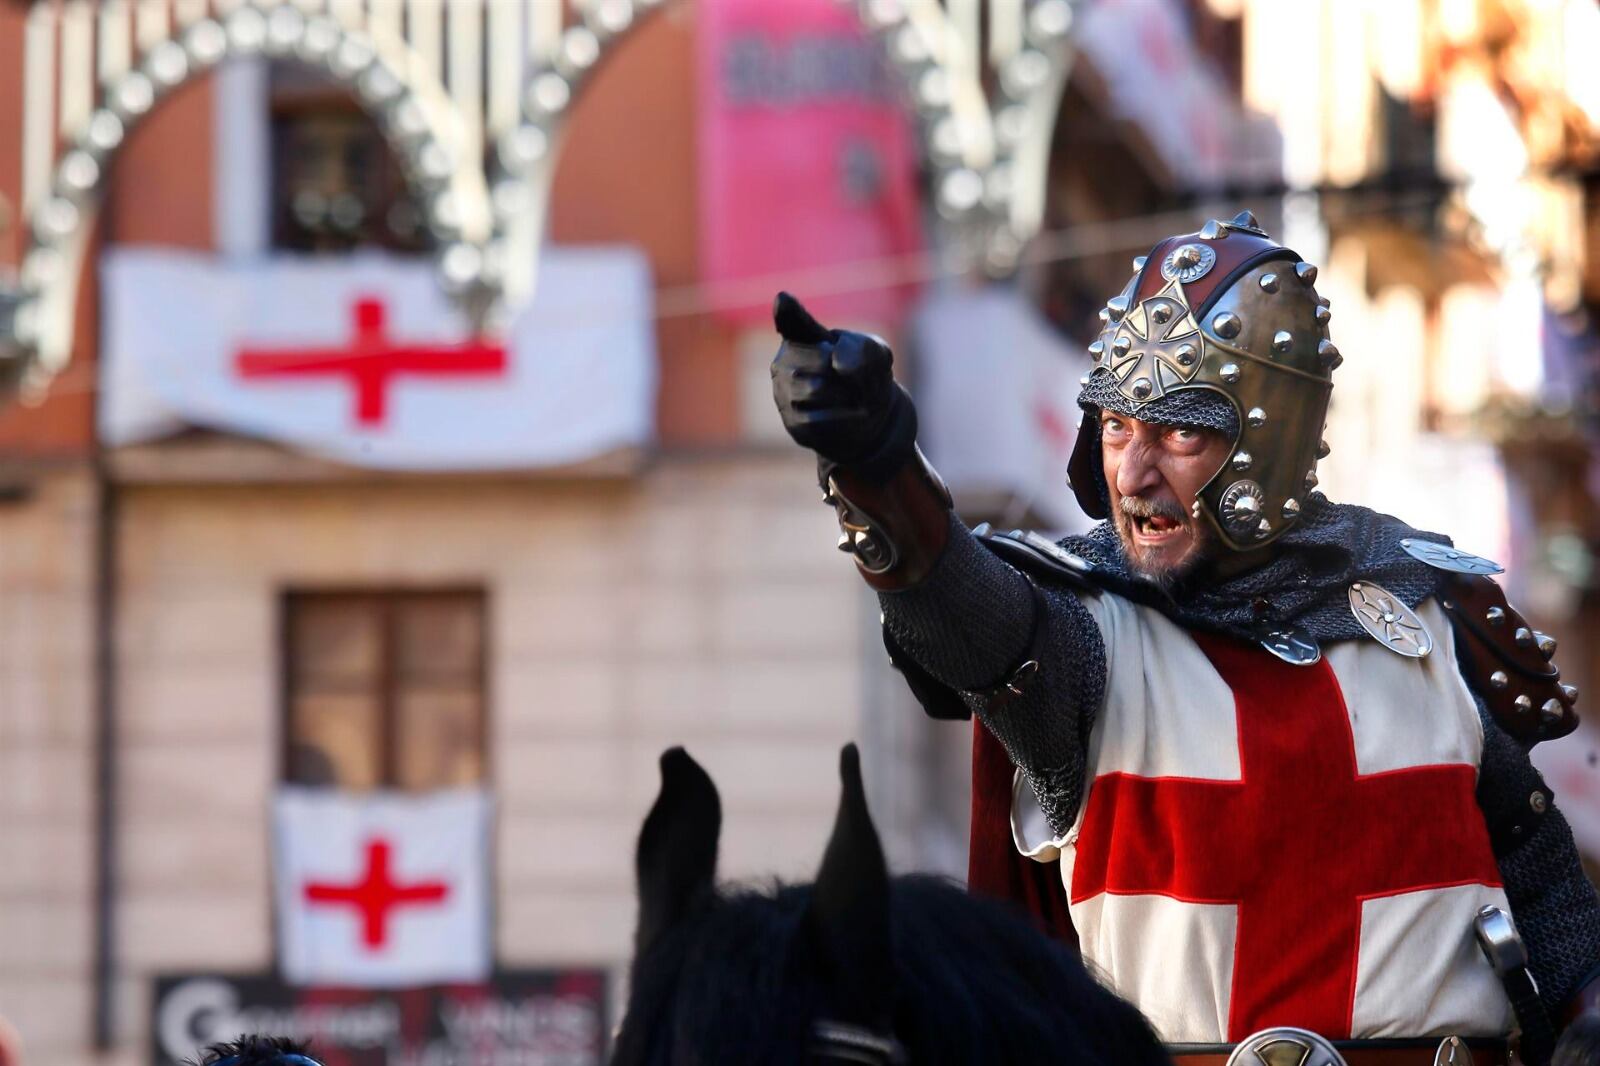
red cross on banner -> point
(1296, 845)
(376, 895)
(371, 361)
(382, 889)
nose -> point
(1137, 473)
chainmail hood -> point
(1305, 582)
(1200, 408)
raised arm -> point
(1029, 660)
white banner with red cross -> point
(362, 358)
(382, 889)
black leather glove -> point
(836, 393)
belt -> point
(1294, 1047)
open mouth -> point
(1156, 527)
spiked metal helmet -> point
(1221, 329)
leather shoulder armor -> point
(1039, 557)
(1507, 662)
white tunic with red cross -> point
(1265, 844)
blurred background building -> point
(301, 576)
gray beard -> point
(1166, 578)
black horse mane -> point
(252, 1050)
(742, 975)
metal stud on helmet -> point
(1231, 313)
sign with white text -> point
(519, 1018)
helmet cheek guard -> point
(1229, 311)
(1084, 471)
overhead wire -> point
(1079, 240)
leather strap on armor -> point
(1507, 662)
(896, 526)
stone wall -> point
(47, 764)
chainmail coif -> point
(1306, 581)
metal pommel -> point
(896, 528)
(1499, 940)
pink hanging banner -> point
(807, 163)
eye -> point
(1185, 435)
(1112, 427)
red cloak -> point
(994, 865)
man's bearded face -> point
(1154, 473)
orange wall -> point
(159, 193)
(628, 173)
(13, 17)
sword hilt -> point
(1506, 952)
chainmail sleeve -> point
(1552, 902)
(971, 624)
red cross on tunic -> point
(1296, 845)
(376, 895)
(372, 360)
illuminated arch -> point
(524, 160)
(451, 196)
(989, 158)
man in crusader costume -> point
(1264, 755)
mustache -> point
(1139, 507)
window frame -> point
(387, 600)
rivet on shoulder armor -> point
(1211, 230)
(1496, 616)
(1269, 283)
(1097, 348)
(1186, 354)
(1329, 353)
(1311, 480)
(1524, 703)
(1242, 460)
(1306, 273)
(1264, 527)
(1570, 692)
(1117, 306)
(1084, 381)
(1538, 801)
(1546, 643)
(1550, 712)
(1105, 316)
(1323, 449)
(1256, 417)
(1139, 262)
(1282, 341)
(1323, 314)
(1498, 679)
(1120, 346)
(1230, 372)
(1291, 508)
(1245, 220)
(1227, 325)
(1523, 636)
